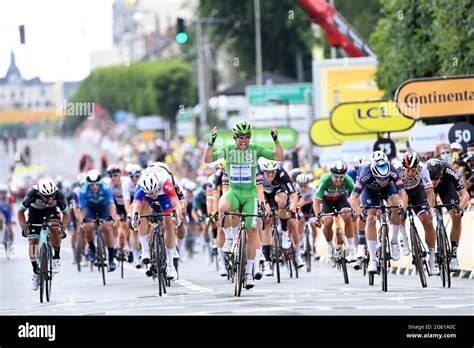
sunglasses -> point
(94, 184)
(269, 172)
(134, 176)
(382, 179)
(244, 137)
(114, 175)
(338, 176)
(47, 196)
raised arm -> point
(210, 146)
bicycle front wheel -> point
(384, 256)
(43, 270)
(241, 263)
(417, 255)
(101, 256)
(49, 278)
(276, 254)
(308, 250)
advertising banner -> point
(425, 138)
(369, 117)
(436, 97)
(322, 134)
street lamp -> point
(283, 102)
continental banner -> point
(322, 134)
(436, 97)
(369, 117)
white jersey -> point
(118, 191)
(129, 189)
(422, 175)
(309, 194)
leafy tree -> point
(423, 38)
(144, 88)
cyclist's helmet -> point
(377, 155)
(435, 168)
(149, 183)
(113, 169)
(303, 179)
(358, 161)
(47, 187)
(410, 160)
(294, 173)
(380, 168)
(93, 176)
(268, 165)
(242, 128)
(133, 169)
(338, 167)
(220, 164)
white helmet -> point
(93, 176)
(358, 161)
(303, 179)
(267, 165)
(149, 183)
(158, 164)
(189, 186)
(47, 187)
(133, 169)
(377, 155)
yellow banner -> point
(436, 97)
(28, 116)
(322, 134)
(148, 136)
(369, 117)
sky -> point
(60, 34)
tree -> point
(285, 30)
(423, 38)
(144, 88)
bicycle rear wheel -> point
(342, 256)
(417, 255)
(49, 274)
(384, 257)
(307, 250)
(101, 255)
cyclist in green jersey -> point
(241, 162)
(332, 194)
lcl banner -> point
(322, 134)
(369, 117)
(436, 97)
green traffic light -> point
(181, 38)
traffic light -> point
(22, 33)
(181, 35)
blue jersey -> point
(99, 200)
(366, 179)
(353, 174)
(200, 198)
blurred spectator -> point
(470, 152)
(85, 163)
(14, 140)
(27, 155)
(456, 151)
(463, 170)
(5, 137)
(442, 152)
(104, 163)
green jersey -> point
(327, 189)
(241, 165)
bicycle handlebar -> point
(242, 215)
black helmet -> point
(435, 168)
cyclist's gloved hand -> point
(134, 223)
(274, 134)
(25, 231)
(212, 138)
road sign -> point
(387, 146)
(462, 133)
(290, 93)
(369, 117)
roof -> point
(267, 78)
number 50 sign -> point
(462, 133)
